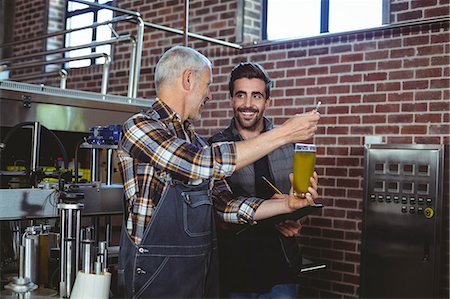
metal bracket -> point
(26, 100)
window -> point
(285, 19)
(81, 15)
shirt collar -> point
(166, 114)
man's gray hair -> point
(175, 61)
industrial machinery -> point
(59, 188)
(401, 244)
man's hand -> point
(289, 228)
(287, 203)
(294, 202)
(300, 127)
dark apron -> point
(177, 257)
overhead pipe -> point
(193, 35)
(186, 22)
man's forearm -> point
(295, 129)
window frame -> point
(324, 20)
(90, 9)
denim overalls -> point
(177, 257)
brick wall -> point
(391, 82)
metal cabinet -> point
(402, 221)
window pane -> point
(75, 5)
(104, 15)
(80, 20)
(104, 32)
(348, 15)
(77, 53)
(103, 49)
(292, 18)
(79, 37)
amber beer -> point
(304, 163)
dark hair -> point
(249, 70)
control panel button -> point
(373, 197)
(420, 201)
(380, 198)
(388, 198)
(412, 210)
(412, 200)
(404, 209)
(428, 212)
(396, 198)
(429, 201)
(420, 210)
(404, 199)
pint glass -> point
(304, 163)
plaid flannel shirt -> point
(157, 147)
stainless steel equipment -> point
(70, 245)
(402, 221)
(68, 114)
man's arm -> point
(297, 128)
(149, 141)
(287, 203)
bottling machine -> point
(59, 186)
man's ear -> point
(187, 80)
(268, 103)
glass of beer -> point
(304, 163)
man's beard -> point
(250, 125)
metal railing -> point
(106, 63)
(137, 43)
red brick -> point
(423, 84)
(399, 75)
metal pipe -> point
(70, 273)
(62, 254)
(63, 74)
(70, 245)
(186, 22)
(77, 240)
(21, 261)
(35, 146)
(105, 75)
(55, 61)
(132, 63)
(86, 256)
(138, 57)
(109, 166)
(67, 49)
(121, 10)
(193, 35)
(61, 32)
(30, 257)
(95, 177)
(38, 75)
